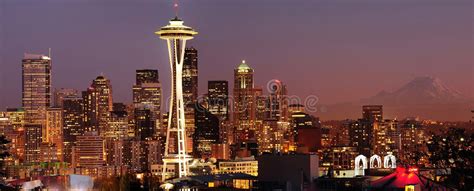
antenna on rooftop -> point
(175, 6)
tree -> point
(453, 150)
(124, 182)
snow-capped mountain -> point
(425, 97)
(421, 90)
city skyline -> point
(119, 61)
(311, 108)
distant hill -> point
(425, 97)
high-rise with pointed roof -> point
(245, 103)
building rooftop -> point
(243, 65)
(29, 56)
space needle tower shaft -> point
(176, 34)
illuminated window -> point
(410, 188)
(210, 184)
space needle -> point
(176, 34)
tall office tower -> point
(361, 133)
(97, 104)
(73, 125)
(89, 153)
(372, 113)
(206, 133)
(176, 35)
(145, 126)
(277, 101)
(245, 102)
(33, 142)
(36, 83)
(218, 99)
(54, 130)
(190, 76)
(190, 92)
(147, 90)
(60, 94)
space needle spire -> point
(176, 34)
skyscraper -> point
(144, 122)
(117, 127)
(147, 91)
(147, 88)
(36, 83)
(190, 92)
(245, 102)
(73, 125)
(206, 133)
(97, 104)
(277, 103)
(190, 76)
(176, 35)
(117, 131)
(218, 99)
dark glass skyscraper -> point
(147, 91)
(277, 101)
(218, 99)
(147, 88)
(206, 133)
(73, 125)
(190, 91)
(190, 76)
(144, 122)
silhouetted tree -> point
(453, 150)
(3, 153)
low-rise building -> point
(247, 165)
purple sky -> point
(339, 50)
